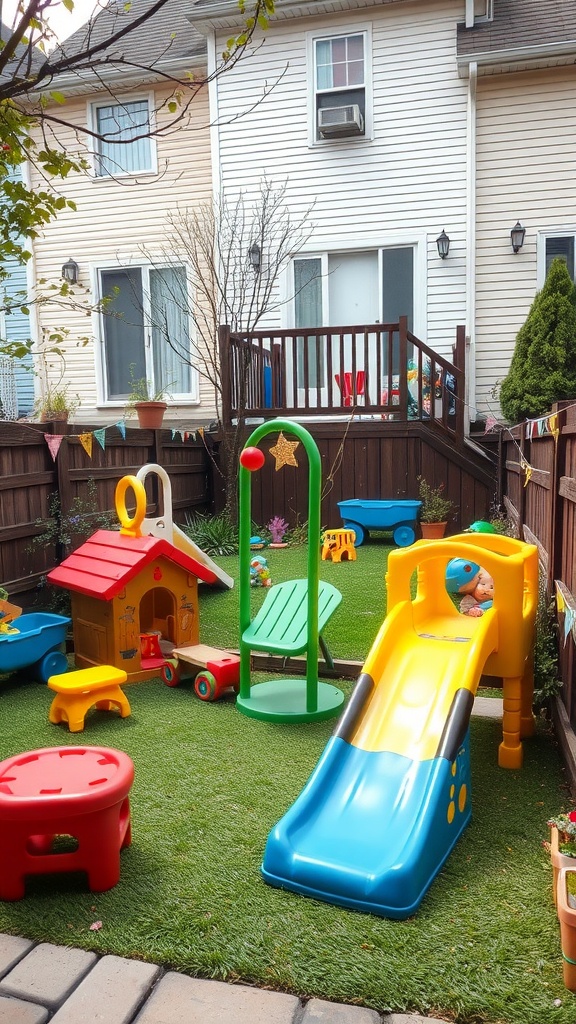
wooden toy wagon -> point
(213, 670)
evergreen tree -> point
(543, 367)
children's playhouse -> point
(134, 596)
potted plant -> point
(434, 509)
(56, 404)
(562, 844)
(278, 527)
(149, 404)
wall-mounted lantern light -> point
(443, 243)
(517, 236)
(70, 271)
(255, 255)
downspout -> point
(213, 112)
(40, 381)
(471, 246)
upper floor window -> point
(340, 86)
(123, 145)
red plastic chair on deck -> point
(351, 392)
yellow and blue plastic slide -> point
(391, 793)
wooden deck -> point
(379, 372)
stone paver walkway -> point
(42, 982)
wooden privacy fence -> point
(539, 467)
(29, 477)
(374, 461)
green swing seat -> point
(281, 624)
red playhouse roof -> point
(108, 561)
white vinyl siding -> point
(399, 189)
(115, 223)
(525, 160)
(123, 145)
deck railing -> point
(374, 371)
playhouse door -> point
(157, 613)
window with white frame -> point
(122, 144)
(350, 288)
(146, 331)
(340, 86)
(563, 246)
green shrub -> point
(543, 366)
(216, 535)
(63, 532)
(547, 682)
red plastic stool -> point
(80, 792)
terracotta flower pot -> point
(150, 414)
(432, 531)
(567, 918)
(559, 860)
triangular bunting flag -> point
(527, 470)
(54, 441)
(201, 432)
(121, 424)
(568, 622)
(100, 436)
(86, 442)
(553, 427)
(174, 432)
(490, 424)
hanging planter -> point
(150, 414)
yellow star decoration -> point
(283, 452)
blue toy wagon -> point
(398, 516)
(35, 640)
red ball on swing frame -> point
(252, 459)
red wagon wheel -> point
(205, 686)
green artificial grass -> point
(353, 627)
(211, 783)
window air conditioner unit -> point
(340, 122)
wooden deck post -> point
(225, 381)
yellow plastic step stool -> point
(338, 545)
(77, 692)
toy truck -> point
(213, 670)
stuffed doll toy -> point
(473, 582)
(481, 598)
